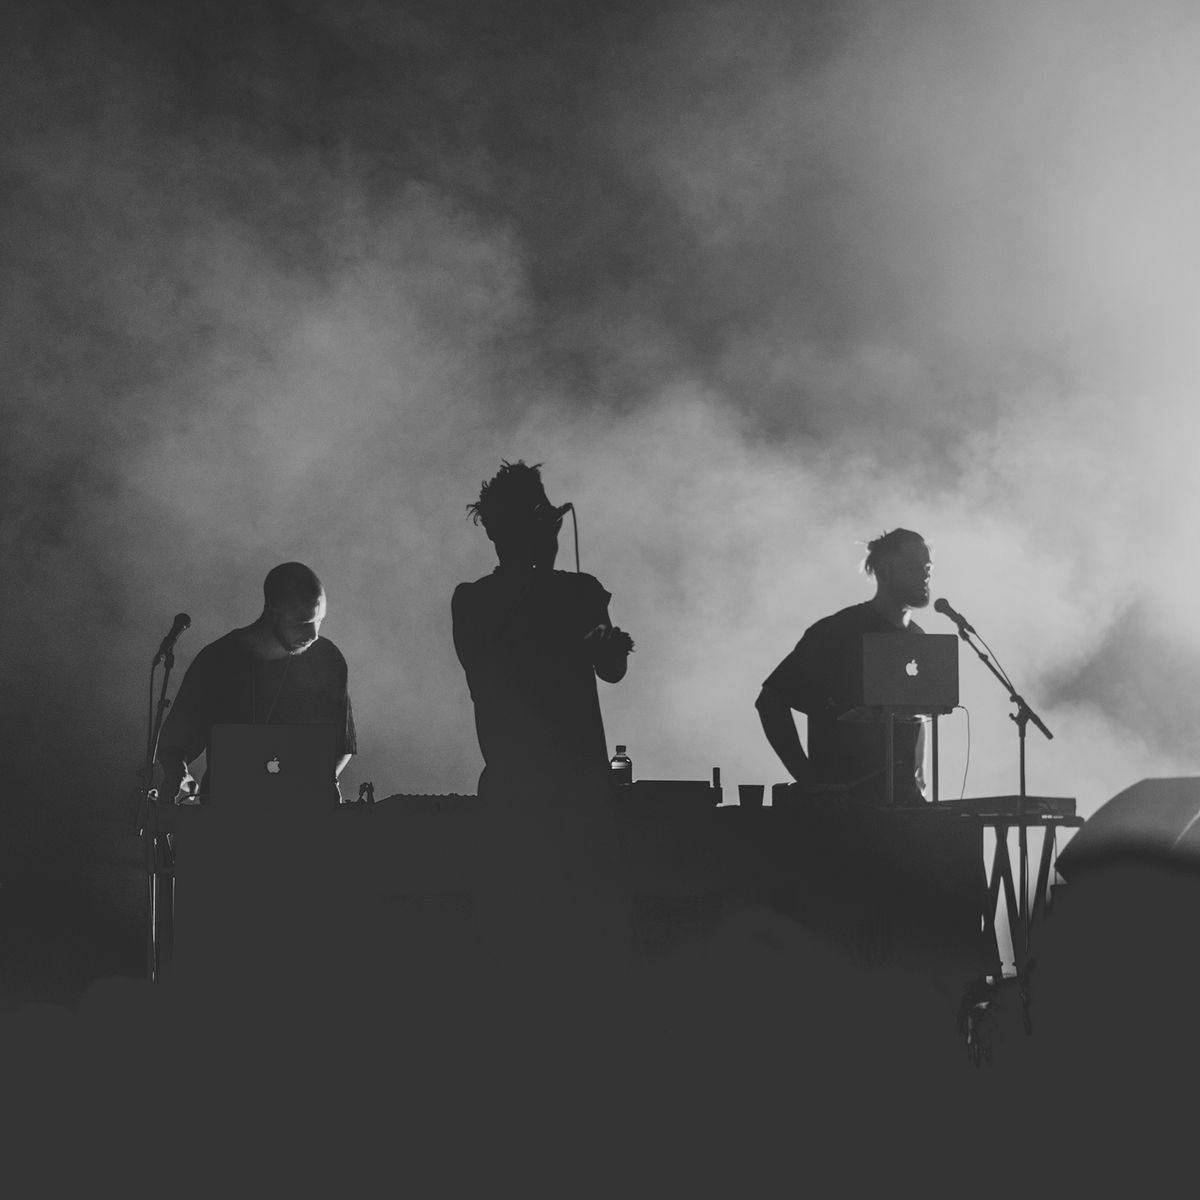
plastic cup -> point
(750, 795)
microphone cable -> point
(575, 530)
(967, 764)
(994, 657)
(150, 711)
(996, 660)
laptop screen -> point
(910, 670)
(246, 762)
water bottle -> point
(621, 766)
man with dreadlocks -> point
(819, 676)
(532, 641)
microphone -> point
(560, 512)
(942, 606)
(182, 622)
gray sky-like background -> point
(754, 280)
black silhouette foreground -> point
(744, 1058)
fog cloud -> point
(755, 281)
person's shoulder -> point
(476, 587)
(228, 645)
(327, 651)
(471, 593)
(232, 640)
(582, 584)
(578, 579)
(852, 617)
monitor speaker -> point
(1152, 819)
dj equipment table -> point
(918, 872)
(1003, 814)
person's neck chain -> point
(278, 691)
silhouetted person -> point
(276, 671)
(820, 678)
(532, 641)
(872, 877)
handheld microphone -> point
(942, 606)
(182, 622)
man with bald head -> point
(276, 671)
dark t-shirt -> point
(821, 677)
(520, 639)
(227, 685)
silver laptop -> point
(280, 763)
(910, 670)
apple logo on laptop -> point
(273, 766)
(911, 669)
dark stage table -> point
(903, 887)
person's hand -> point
(609, 639)
(179, 788)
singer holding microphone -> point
(532, 642)
(819, 678)
(277, 670)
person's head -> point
(293, 605)
(517, 515)
(902, 566)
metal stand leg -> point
(164, 904)
(149, 838)
(889, 757)
(158, 855)
(1040, 903)
(1002, 875)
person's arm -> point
(464, 643)
(349, 735)
(183, 735)
(800, 683)
(775, 714)
(610, 649)
(178, 784)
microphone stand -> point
(1022, 717)
(146, 816)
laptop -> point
(910, 670)
(276, 764)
